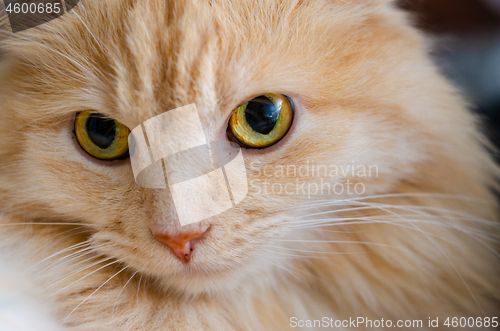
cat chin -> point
(200, 286)
(197, 282)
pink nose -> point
(181, 242)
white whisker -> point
(109, 279)
(344, 242)
(74, 273)
(114, 305)
(85, 243)
(445, 256)
(138, 288)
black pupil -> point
(101, 130)
(262, 114)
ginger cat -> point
(414, 236)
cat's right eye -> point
(101, 137)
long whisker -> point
(36, 223)
(314, 223)
(400, 195)
(135, 273)
(318, 253)
(445, 256)
(412, 208)
(75, 256)
(344, 242)
(109, 279)
(74, 273)
(138, 288)
(67, 233)
(84, 243)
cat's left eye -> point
(262, 121)
(102, 137)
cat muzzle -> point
(183, 241)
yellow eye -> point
(102, 137)
(263, 121)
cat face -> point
(348, 68)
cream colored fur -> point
(365, 91)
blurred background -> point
(467, 36)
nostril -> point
(181, 242)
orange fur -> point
(364, 90)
